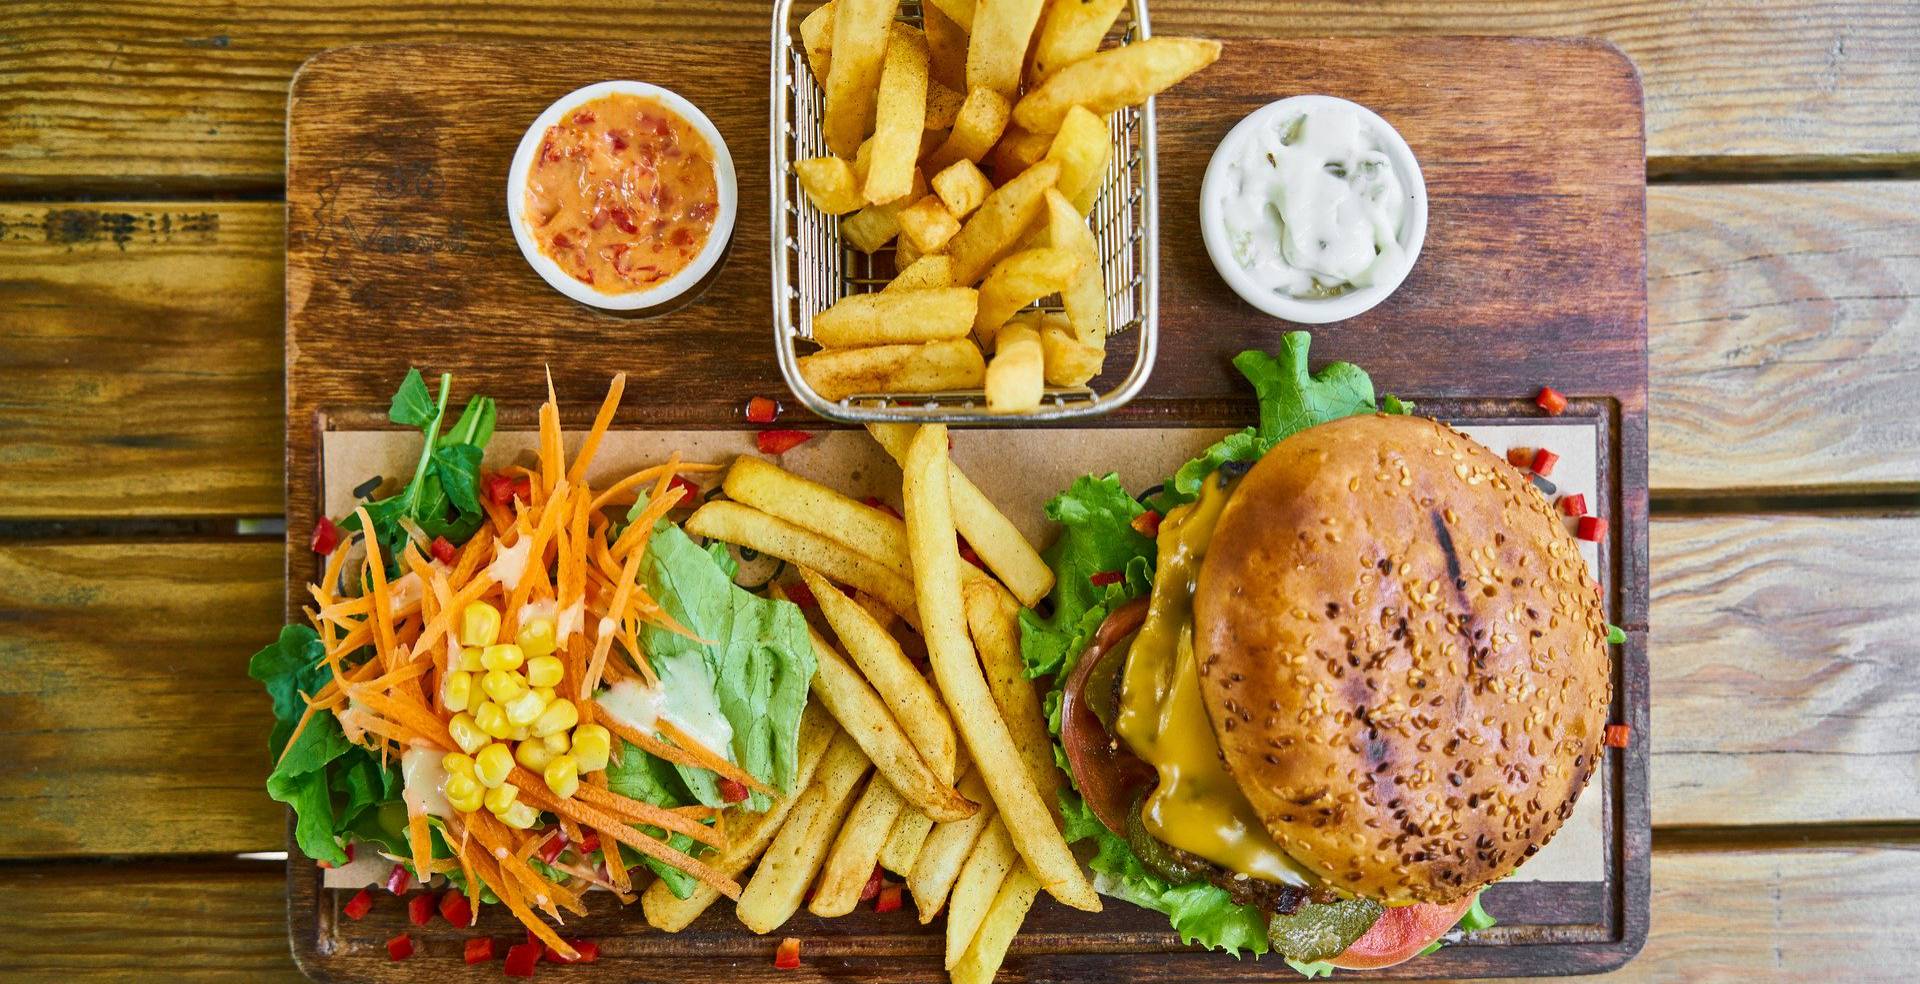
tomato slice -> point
(1400, 934)
(1108, 774)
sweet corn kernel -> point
(544, 671)
(503, 685)
(523, 709)
(557, 742)
(456, 690)
(491, 718)
(592, 745)
(547, 694)
(480, 624)
(469, 661)
(492, 765)
(457, 764)
(500, 799)
(520, 816)
(532, 754)
(467, 733)
(521, 733)
(559, 716)
(505, 656)
(536, 636)
(563, 775)
(463, 792)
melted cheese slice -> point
(1198, 807)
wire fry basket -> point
(813, 266)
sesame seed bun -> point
(1403, 655)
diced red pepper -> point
(889, 899)
(1543, 462)
(1591, 528)
(400, 947)
(1551, 401)
(326, 536)
(1574, 505)
(762, 410)
(455, 908)
(1104, 578)
(1617, 735)
(966, 552)
(479, 950)
(871, 890)
(1147, 524)
(801, 595)
(781, 441)
(359, 905)
(689, 492)
(588, 950)
(1519, 457)
(420, 909)
(501, 489)
(442, 549)
(521, 958)
(589, 843)
(732, 790)
(397, 880)
(552, 846)
(788, 956)
(877, 503)
(349, 853)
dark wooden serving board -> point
(1534, 271)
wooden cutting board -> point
(1534, 272)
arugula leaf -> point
(412, 406)
(457, 466)
(292, 665)
(442, 496)
(1096, 536)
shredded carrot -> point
(584, 457)
(633, 838)
(422, 844)
(711, 759)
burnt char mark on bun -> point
(1403, 655)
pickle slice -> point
(1321, 931)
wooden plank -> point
(1785, 337)
(143, 357)
(107, 96)
(1784, 689)
(128, 718)
(1732, 915)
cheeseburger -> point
(1366, 677)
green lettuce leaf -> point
(639, 775)
(1096, 536)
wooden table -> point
(141, 308)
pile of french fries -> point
(1022, 89)
(947, 781)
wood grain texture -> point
(142, 360)
(1785, 687)
(104, 95)
(1785, 337)
(125, 708)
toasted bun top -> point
(1404, 657)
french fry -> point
(997, 46)
(961, 187)
(748, 833)
(859, 50)
(993, 619)
(830, 184)
(903, 844)
(933, 367)
(1110, 79)
(809, 505)
(943, 106)
(855, 852)
(982, 118)
(992, 535)
(974, 891)
(906, 693)
(936, 567)
(1068, 362)
(816, 38)
(999, 223)
(959, 11)
(894, 318)
(1085, 296)
(927, 224)
(1016, 151)
(1019, 280)
(982, 959)
(900, 116)
(945, 849)
(1082, 149)
(731, 522)
(1016, 374)
(946, 48)
(1069, 31)
(876, 225)
(861, 714)
(925, 273)
(773, 895)
(904, 253)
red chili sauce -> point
(622, 193)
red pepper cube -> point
(690, 493)
(359, 905)
(1574, 505)
(521, 958)
(479, 950)
(420, 909)
(1519, 457)
(498, 489)
(762, 410)
(326, 536)
(966, 551)
(1543, 462)
(1103, 578)
(588, 950)
(552, 846)
(589, 843)
(801, 595)
(871, 890)
(442, 549)
(455, 908)
(1591, 528)
(397, 880)
(1617, 735)
(788, 956)
(732, 790)
(400, 947)
(1551, 400)
(1147, 524)
(780, 441)
(889, 900)
(876, 502)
